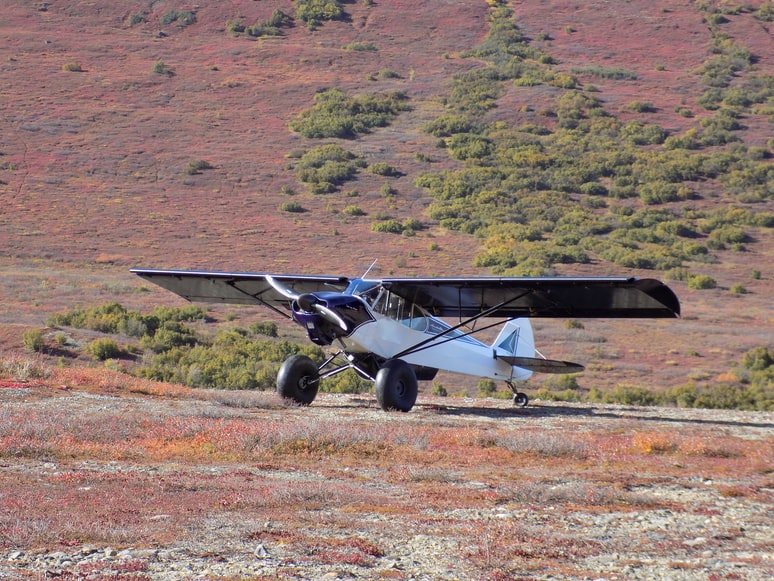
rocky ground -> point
(116, 484)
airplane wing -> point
(566, 297)
(238, 287)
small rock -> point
(695, 542)
(261, 552)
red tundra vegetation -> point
(113, 474)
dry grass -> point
(109, 462)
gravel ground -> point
(679, 525)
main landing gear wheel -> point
(520, 399)
(298, 380)
(396, 386)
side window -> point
(396, 306)
(418, 318)
(379, 304)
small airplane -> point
(390, 330)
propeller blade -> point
(281, 288)
(331, 316)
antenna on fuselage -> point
(365, 274)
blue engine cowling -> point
(328, 315)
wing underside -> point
(238, 288)
(507, 297)
(565, 297)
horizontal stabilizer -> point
(542, 365)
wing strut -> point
(422, 345)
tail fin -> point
(515, 339)
(516, 345)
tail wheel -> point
(520, 399)
(396, 386)
(298, 380)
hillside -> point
(109, 109)
(462, 138)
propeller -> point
(309, 302)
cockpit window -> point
(369, 291)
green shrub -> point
(701, 282)
(33, 340)
(197, 167)
(438, 390)
(389, 226)
(235, 27)
(279, 19)
(138, 18)
(292, 207)
(326, 167)
(353, 210)
(267, 328)
(383, 169)
(314, 12)
(448, 125)
(360, 46)
(562, 382)
(388, 74)
(336, 114)
(387, 190)
(614, 73)
(181, 17)
(486, 387)
(103, 348)
(629, 395)
(641, 107)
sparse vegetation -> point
(103, 348)
(326, 167)
(336, 114)
(33, 340)
(179, 17)
(518, 188)
(359, 46)
(198, 166)
(160, 68)
(314, 13)
(292, 207)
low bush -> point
(292, 207)
(33, 340)
(197, 167)
(103, 349)
(701, 282)
(326, 167)
(360, 46)
(180, 17)
(314, 12)
(384, 169)
(336, 114)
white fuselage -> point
(388, 337)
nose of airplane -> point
(307, 302)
